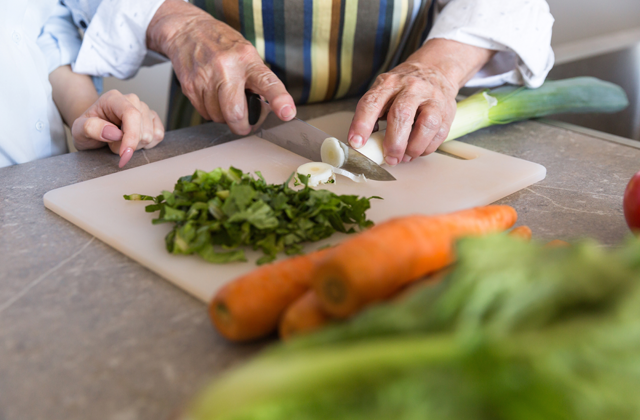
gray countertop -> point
(87, 333)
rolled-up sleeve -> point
(519, 30)
(59, 40)
(114, 44)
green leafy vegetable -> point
(516, 331)
(217, 213)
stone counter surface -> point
(87, 333)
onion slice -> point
(318, 173)
(333, 152)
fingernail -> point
(356, 141)
(406, 159)
(111, 133)
(125, 157)
(287, 112)
(391, 161)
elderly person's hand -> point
(123, 122)
(417, 98)
(215, 65)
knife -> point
(306, 140)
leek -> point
(515, 103)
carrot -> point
(378, 262)
(557, 243)
(523, 232)
(303, 316)
(250, 306)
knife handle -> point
(254, 105)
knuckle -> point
(89, 126)
(132, 97)
(395, 149)
(402, 115)
(265, 79)
(112, 93)
(371, 100)
(430, 123)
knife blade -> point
(306, 140)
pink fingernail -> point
(406, 159)
(356, 141)
(287, 112)
(111, 133)
(125, 157)
(391, 161)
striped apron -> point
(320, 49)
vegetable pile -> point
(516, 331)
(217, 213)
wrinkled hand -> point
(123, 122)
(417, 98)
(215, 65)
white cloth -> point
(31, 124)
(114, 43)
(520, 30)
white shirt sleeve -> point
(59, 40)
(520, 30)
(114, 43)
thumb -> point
(92, 132)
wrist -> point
(457, 62)
(171, 18)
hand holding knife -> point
(305, 140)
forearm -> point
(458, 62)
(171, 18)
(72, 93)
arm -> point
(123, 122)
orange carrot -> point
(250, 306)
(523, 232)
(557, 243)
(378, 262)
(303, 316)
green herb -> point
(217, 213)
(516, 331)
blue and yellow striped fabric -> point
(320, 49)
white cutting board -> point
(433, 184)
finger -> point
(203, 103)
(399, 124)
(264, 82)
(211, 102)
(118, 107)
(443, 132)
(148, 115)
(425, 128)
(370, 107)
(93, 132)
(233, 104)
(158, 131)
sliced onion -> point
(333, 152)
(351, 176)
(318, 172)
